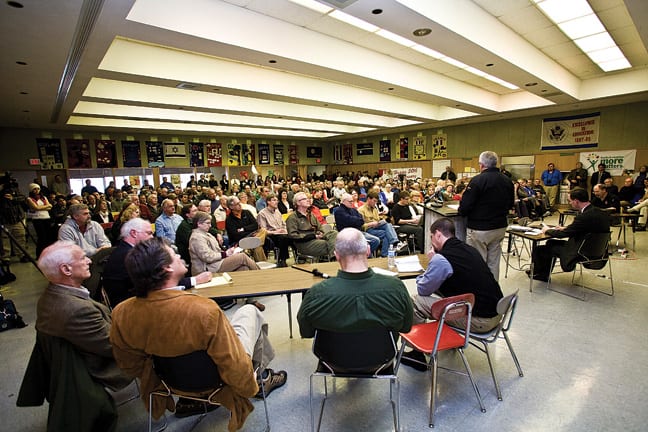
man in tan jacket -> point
(142, 326)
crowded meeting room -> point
(323, 215)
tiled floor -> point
(584, 368)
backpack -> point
(9, 316)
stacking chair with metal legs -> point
(433, 337)
(251, 243)
(505, 308)
(191, 376)
(593, 255)
(368, 354)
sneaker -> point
(188, 408)
(400, 246)
(273, 381)
(414, 359)
(546, 214)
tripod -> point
(15, 243)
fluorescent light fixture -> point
(454, 62)
(578, 21)
(564, 10)
(356, 22)
(395, 38)
(581, 27)
(313, 5)
(428, 51)
(475, 71)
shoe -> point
(412, 359)
(546, 214)
(537, 276)
(256, 304)
(188, 407)
(273, 381)
(281, 264)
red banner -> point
(214, 154)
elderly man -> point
(357, 299)
(82, 230)
(306, 232)
(271, 220)
(589, 219)
(142, 326)
(377, 225)
(485, 204)
(347, 216)
(605, 200)
(167, 223)
(65, 310)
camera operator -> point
(12, 215)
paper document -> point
(382, 271)
(225, 279)
(519, 228)
(408, 264)
(453, 206)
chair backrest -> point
(595, 247)
(330, 219)
(369, 351)
(249, 242)
(455, 308)
(193, 372)
(506, 308)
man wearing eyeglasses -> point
(116, 282)
(306, 232)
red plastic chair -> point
(433, 337)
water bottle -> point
(391, 258)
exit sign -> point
(34, 162)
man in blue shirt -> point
(551, 178)
(167, 223)
(346, 216)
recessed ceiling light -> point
(23, 93)
(272, 61)
(15, 4)
(21, 63)
(25, 111)
(390, 88)
(422, 32)
(489, 64)
(543, 90)
(531, 84)
(377, 11)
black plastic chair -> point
(368, 354)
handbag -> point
(9, 316)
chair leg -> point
(433, 390)
(321, 413)
(395, 404)
(150, 417)
(265, 406)
(472, 380)
(492, 371)
(512, 351)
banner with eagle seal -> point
(572, 132)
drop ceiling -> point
(275, 69)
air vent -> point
(545, 95)
(187, 86)
(340, 4)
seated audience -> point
(142, 325)
(83, 231)
(241, 223)
(357, 299)
(102, 214)
(377, 225)
(270, 219)
(184, 232)
(346, 216)
(605, 200)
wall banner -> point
(419, 148)
(106, 153)
(385, 151)
(403, 148)
(131, 153)
(409, 173)
(233, 154)
(293, 159)
(154, 153)
(571, 132)
(197, 157)
(78, 153)
(440, 146)
(614, 161)
(264, 154)
(364, 149)
(49, 152)
(214, 154)
(347, 153)
(175, 150)
(278, 154)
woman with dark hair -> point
(224, 183)
(284, 203)
(102, 214)
(38, 213)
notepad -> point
(225, 279)
(408, 264)
(382, 271)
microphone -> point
(320, 274)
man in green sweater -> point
(357, 299)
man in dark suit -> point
(65, 310)
(590, 219)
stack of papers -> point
(225, 279)
(520, 228)
(382, 271)
(408, 264)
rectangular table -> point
(287, 280)
(534, 239)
